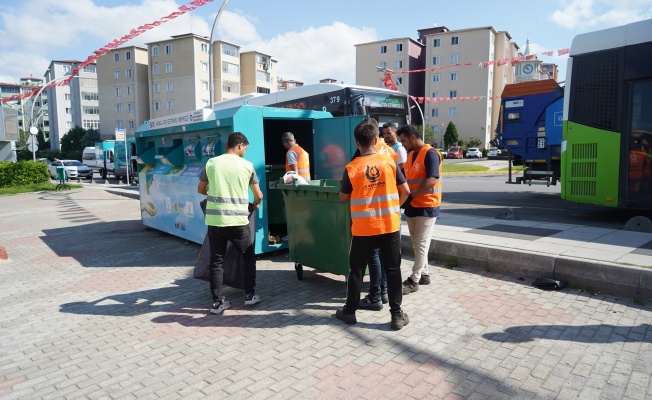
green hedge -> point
(23, 173)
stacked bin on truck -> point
(172, 151)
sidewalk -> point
(93, 305)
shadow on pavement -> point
(602, 333)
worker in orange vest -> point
(375, 188)
(296, 158)
(423, 171)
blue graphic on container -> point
(161, 169)
(209, 148)
(192, 170)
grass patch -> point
(518, 168)
(638, 301)
(583, 288)
(452, 263)
(449, 167)
(37, 187)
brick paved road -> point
(92, 305)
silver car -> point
(474, 152)
(74, 169)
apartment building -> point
(226, 71)
(259, 73)
(76, 104)
(24, 106)
(373, 59)
(123, 87)
(289, 84)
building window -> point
(434, 112)
(204, 66)
(154, 51)
(128, 90)
(262, 76)
(68, 124)
(68, 111)
(116, 57)
(156, 88)
(453, 76)
(127, 55)
(205, 103)
(116, 74)
(117, 91)
(169, 86)
(118, 108)
(381, 82)
(204, 47)
(67, 69)
(399, 64)
(229, 50)
(399, 80)
(225, 87)
(435, 77)
(399, 47)
(229, 68)
(132, 125)
(66, 96)
(452, 112)
(383, 49)
(168, 68)
(455, 58)
(119, 125)
(86, 96)
(130, 107)
(91, 69)
(382, 64)
(128, 73)
(436, 60)
(455, 40)
(168, 49)
(436, 42)
(262, 90)
(452, 93)
(90, 110)
(157, 106)
(435, 94)
(155, 69)
(204, 85)
(170, 104)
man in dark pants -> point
(225, 181)
(375, 188)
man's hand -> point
(407, 201)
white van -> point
(88, 158)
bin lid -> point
(320, 185)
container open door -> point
(334, 145)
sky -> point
(310, 40)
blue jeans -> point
(377, 276)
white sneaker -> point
(252, 299)
(220, 306)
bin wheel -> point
(299, 269)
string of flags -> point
(192, 5)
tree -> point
(72, 139)
(430, 134)
(474, 142)
(450, 137)
(90, 137)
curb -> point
(606, 278)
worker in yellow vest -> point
(375, 188)
(226, 180)
(296, 158)
(423, 171)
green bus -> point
(607, 119)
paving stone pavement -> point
(93, 305)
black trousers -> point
(361, 250)
(240, 236)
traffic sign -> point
(32, 147)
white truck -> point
(101, 159)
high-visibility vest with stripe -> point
(374, 203)
(415, 173)
(383, 148)
(303, 162)
(636, 164)
(228, 197)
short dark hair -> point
(237, 138)
(365, 133)
(408, 131)
(389, 125)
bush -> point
(23, 173)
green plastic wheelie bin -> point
(319, 226)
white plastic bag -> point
(290, 176)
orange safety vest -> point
(636, 164)
(382, 148)
(375, 208)
(303, 162)
(333, 160)
(415, 173)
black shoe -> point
(348, 318)
(384, 298)
(425, 280)
(409, 286)
(400, 320)
(366, 304)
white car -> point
(494, 152)
(74, 169)
(474, 152)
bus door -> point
(334, 145)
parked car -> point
(494, 152)
(455, 152)
(74, 169)
(442, 152)
(473, 152)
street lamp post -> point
(211, 85)
(423, 120)
(33, 130)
